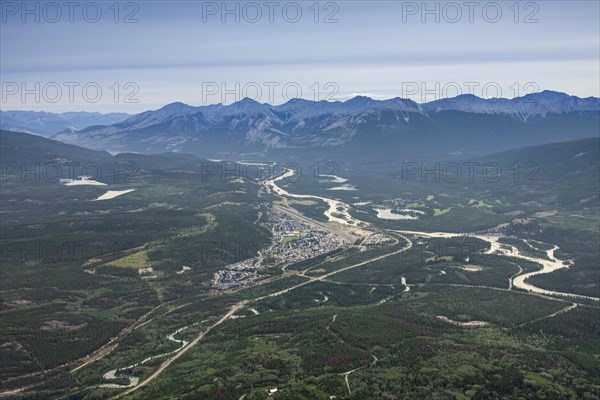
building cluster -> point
(229, 278)
(292, 241)
(377, 239)
(296, 241)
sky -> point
(140, 55)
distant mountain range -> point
(358, 127)
(47, 124)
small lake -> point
(386, 213)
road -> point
(112, 344)
(232, 310)
(343, 218)
(337, 271)
(238, 306)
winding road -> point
(338, 212)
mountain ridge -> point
(464, 123)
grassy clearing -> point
(138, 260)
(437, 212)
(287, 239)
(481, 203)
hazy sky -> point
(197, 53)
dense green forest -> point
(90, 286)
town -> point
(292, 241)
